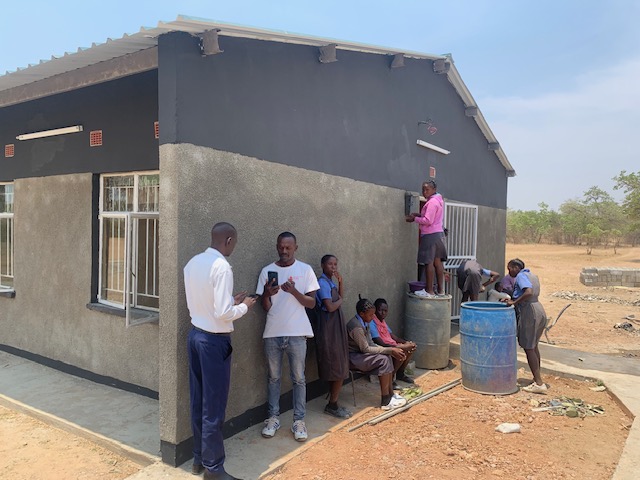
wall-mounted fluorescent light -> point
(50, 133)
(435, 148)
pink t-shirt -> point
(383, 331)
(430, 218)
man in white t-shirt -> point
(284, 299)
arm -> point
(360, 339)
(268, 292)
(331, 306)
(427, 215)
(324, 294)
(307, 300)
(526, 293)
(224, 302)
(493, 276)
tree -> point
(629, 183)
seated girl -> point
(382, 335)
(365, 356)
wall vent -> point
(95, 138)
(156, 129)
(9, 150)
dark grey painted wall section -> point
(355, 118)
(123, 109)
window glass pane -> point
(6, 252)
(113, 259)
(118, 194)
(148, 193)
(6, 198)
(147, 275)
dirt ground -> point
(451, 435)
(33, 450)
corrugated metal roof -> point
(147, 37)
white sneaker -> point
(271, 426)
(535, 388)
(423, 293)
(396, 401)
(299, 430)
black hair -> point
(431, 183)
(378, 302)
(326, 258)
(517, 262)
(288, 235)
(363, 305)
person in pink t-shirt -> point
(382, 335)
(433, 250)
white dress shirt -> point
(208, 283)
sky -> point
(557, 80)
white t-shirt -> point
(287, 317)
(496, 296)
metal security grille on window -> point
(129, 219)
(6, 236)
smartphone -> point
(271, 276)
(253, 295)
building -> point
(118, 158)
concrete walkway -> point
(128, 423)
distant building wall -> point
(610, 276)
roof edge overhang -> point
(147, 38)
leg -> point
(533, 359)
(214, 354)
(439, 270)
(273, 352)
(297, 353)
(386, 385)
(334, 392)
(195, 394)
(465, 297)
(421, 272)
(430, 278)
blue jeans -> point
(209, 375)
(296, 350)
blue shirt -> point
(326, 285)
(522, 282)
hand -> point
(270, 289)
(508, 301)
(239, 297)
(338, 277)
(289, 286)
(409, 218)
(482, 288)
(249, 301)
(397, 353)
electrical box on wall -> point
(411, 202)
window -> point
(129, 240)
(6, 236)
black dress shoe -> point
(221, 475)
(197, 469)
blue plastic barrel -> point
(488, 348)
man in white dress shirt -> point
(208, 283)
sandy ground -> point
(451, 435)
(30, 449)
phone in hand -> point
(271, 276)
(253, 295)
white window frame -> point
(130, 294)
(10, 244)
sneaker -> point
(271, 426)
(535, 388)
(299, 430)
(423, 293)
(339, 412)
(396, 401)
(405, 379)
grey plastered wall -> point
(492, 228)
(361, 223)
(53, 268)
